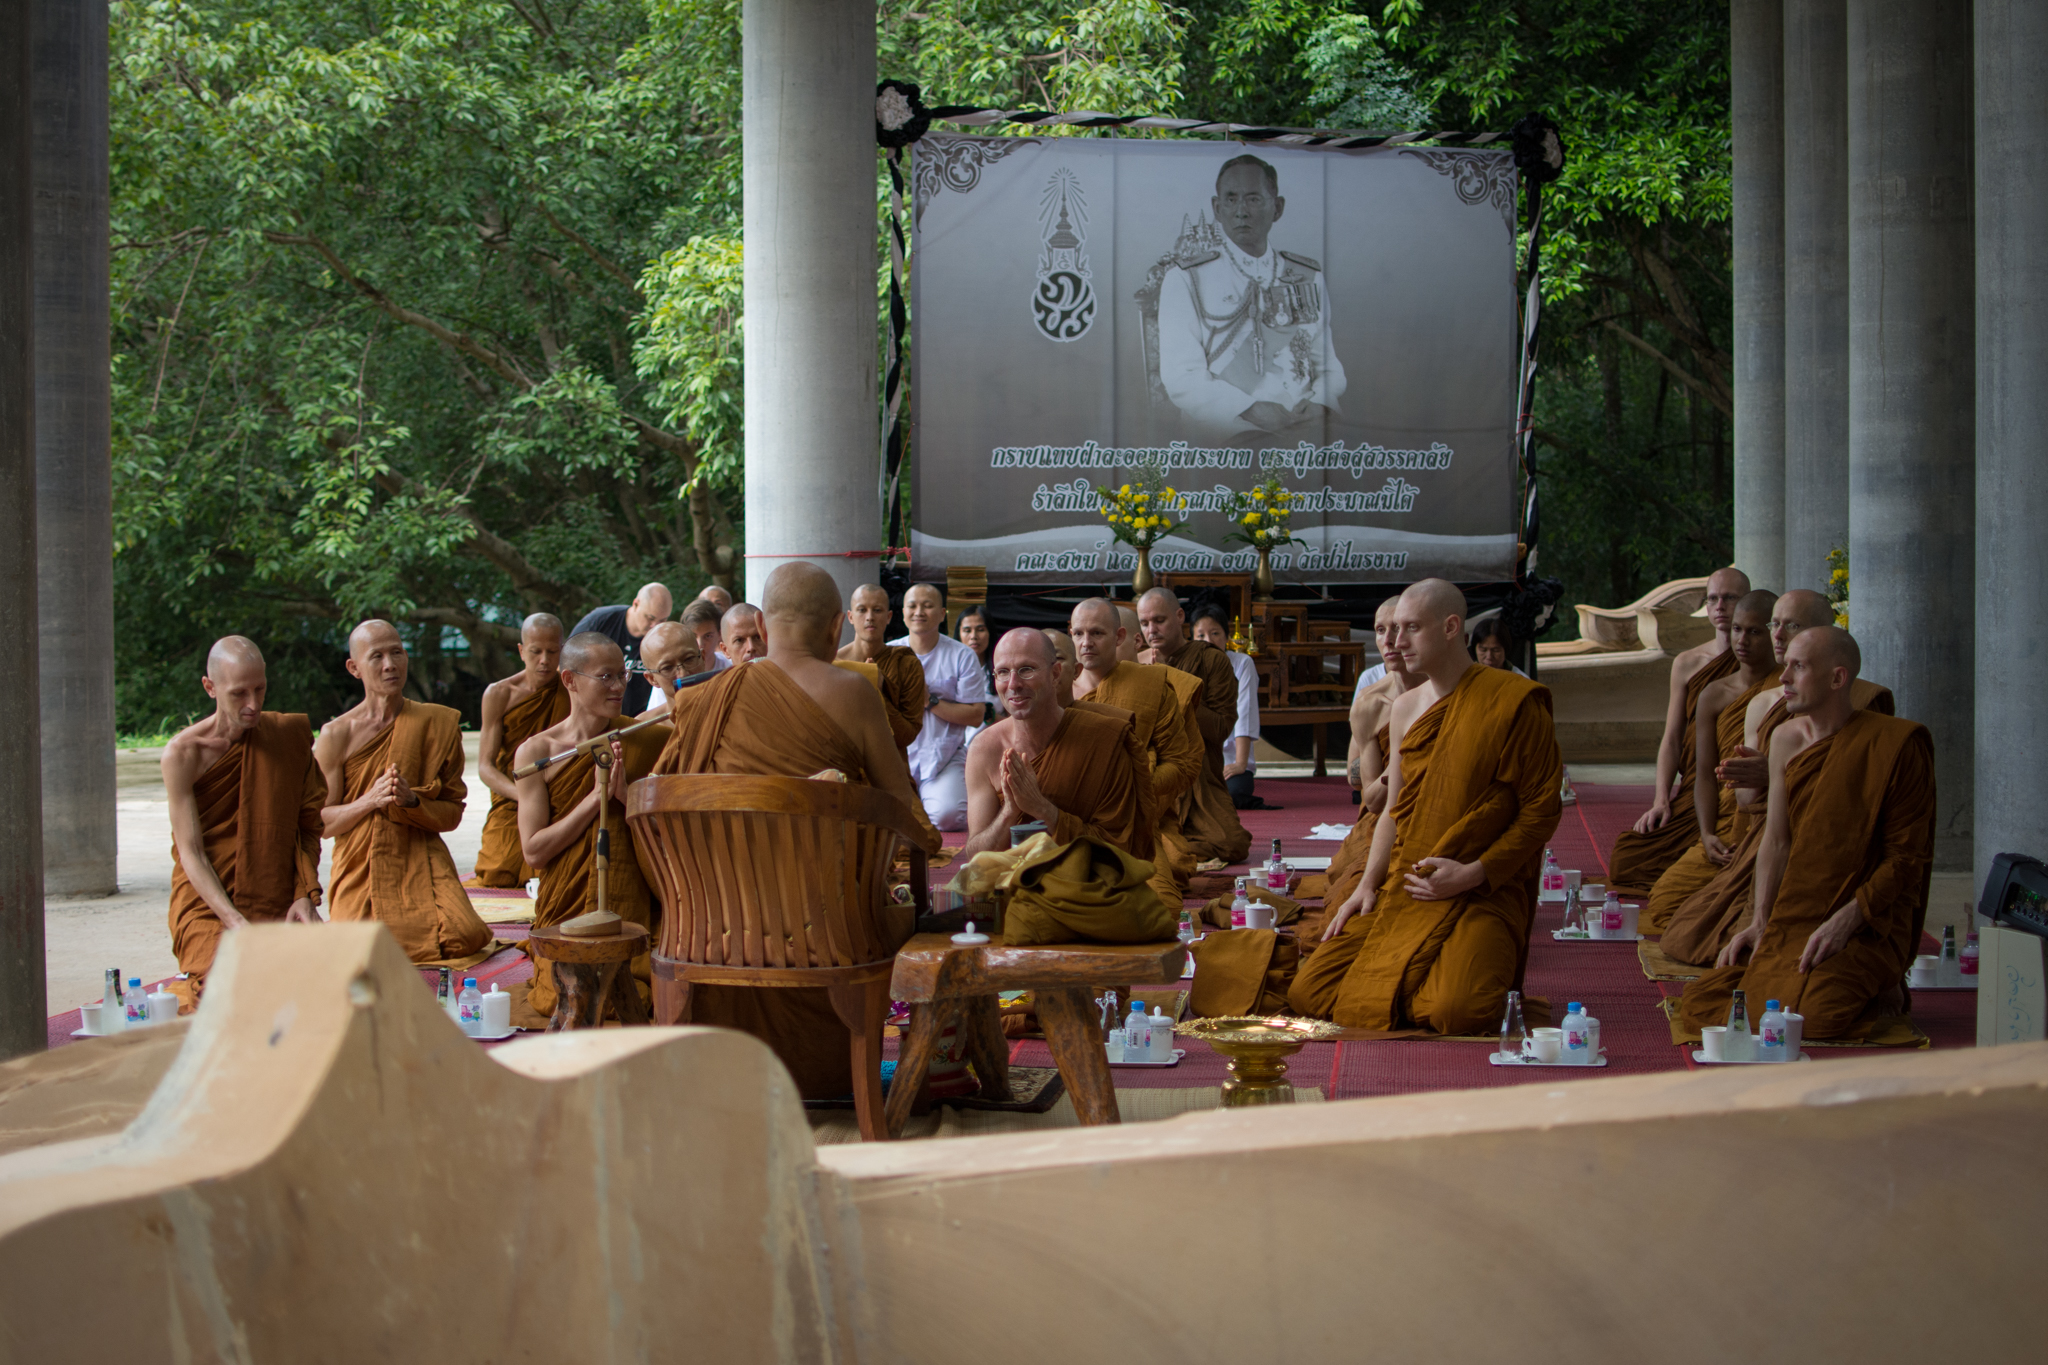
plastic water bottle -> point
(135, 1005)
(1578, 1036)
(1553, 875)
(1770, 1041)
(1241, 906)
(1611, 916)
(1967, 961)
(471, 1008)
(1137, 1034)
(1187, 933)
(1276, 871)
(1740, 1045)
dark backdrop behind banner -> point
(1086, 305)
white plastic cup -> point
(1631, 917)
(1546, 1044)
(1595, 892)
(163, 1007)
(1713, 1041)
(89, 1017)
(1795, 1034)
(1926, 968)
(497, 1011)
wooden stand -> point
(590, 971)
(949, 983)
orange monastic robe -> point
(259, 818)
(1704, 922)
(898, 677)
(1347, 868)
(498, 861)
(1861, 803)
(1091, 770)
(1480, 779)
(1694, 869)
(1159, 700)
(1639, 859)
(1209, 824)
(392, 866)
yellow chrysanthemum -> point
(1252, 518)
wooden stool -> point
(589, 971)
(949, 984)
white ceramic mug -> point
(497, 1013)
(1546, 1044)
(1258, 915)
(89, 1017)
(1713, 1040)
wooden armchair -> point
(780, 882)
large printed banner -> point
(1085, 306)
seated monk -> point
(245, 800)
(1641, 854)
(1437, 932)
(515, 710)
(558, 806)
(1159, 698)
(740, 633)
(1209, 824)
(791, 714)
(899, 673)
(1070, 664)
(393, 769)
(669, 654)
(1371, 711)
(1361, 740)
(1704, 922)
(1847, 852)
(1718, 726)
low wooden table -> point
(589, 971)
(949, 984)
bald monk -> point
(245, 799)
(1641, 854)
(1070, 665)
(1842, 873)
(393, 769)
(899, 673)
(1127, 644)
(791, 714)
(515, 710)
(1159, 698)
(1703, 923)
(671, 658)
(740, 633)
(558, 806)
(1437, 932)
(1209, 822)
(1077, 770)
(1371, 714)
(717, 597)
(1361, 739)
(1718, 728)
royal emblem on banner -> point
(1063, 300)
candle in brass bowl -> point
(1258, 1049)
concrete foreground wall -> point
(329, 1172)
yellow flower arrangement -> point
(1261, 515)
(1838, 584)
(1144, 513)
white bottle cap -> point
(970, 938)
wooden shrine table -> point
(589, 971)
(949, 984)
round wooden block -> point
(556, 946)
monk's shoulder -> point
(439, 721)
(1870, 696)
(1093, 724)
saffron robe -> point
(498, 860)
(1092, 770)
(1480, 779)
(1861, 804)
(1639, 859)
(1347, 868)
(1694, 869)
(568, 885)
(1209, 823)
(259, 822)
(898, 676)
(392, 866)
(1159, 699)
(1704, 922)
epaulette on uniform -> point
(1189, 260)
(1307, 262)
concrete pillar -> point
(74, 474)
(1912, 383)
(1816, 287)
(809, 175)
(22, 1008)
(2012, 428)
(1756, 97)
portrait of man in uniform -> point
(1244, 330)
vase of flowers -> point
(1261, 514)
(1141, 514)
(1838, 584)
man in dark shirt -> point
(625, 626)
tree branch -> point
(528, 580)
(604, 262)
(1713, 393)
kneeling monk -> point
(558, 806)
(1437, 932)
(515, 710)
(791, 714)
(393, 769)
(1848, 849)
(245, 800)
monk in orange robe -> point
(1719, 722)
(1847, 853)
(672, 659)
(393, 769)
(1159, 699)
(1208, 818)
(558, 807)
(790, 714)
(1371, 713)
(245, 799)
(515, 710)
(1641, 854)
(1437, 932)
(1704, 922)
(898, 674)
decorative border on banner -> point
(1477, 177)
(956, 164)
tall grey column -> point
(23, 1027)
(1756, 98)
(1816, 287)
(2012, 428)
(74, 474)
(809, 122)
(1912, 385)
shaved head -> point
(540, 623)
(869, 592)
(1436, 598)
(743, 630)
(1025, 670)
(1025, 642)
(1070, 665)
(232, 652)
(717, 597)
(1757, 604)
(1096, 611)
(1062, 645)
(656, 600)
(1832, 647)
(1429, 631)
(368, 633)
(592, 652)
(1127, 648)
(236, 680)
(1161, 620)
(1164, 597)
(669, 635)
(1750, 633)
(1097, 631)
(1821, 665)
(801, 607)
(1806, 607)
(376, 656)
(1725, 587)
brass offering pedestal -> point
(1258, 1049)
